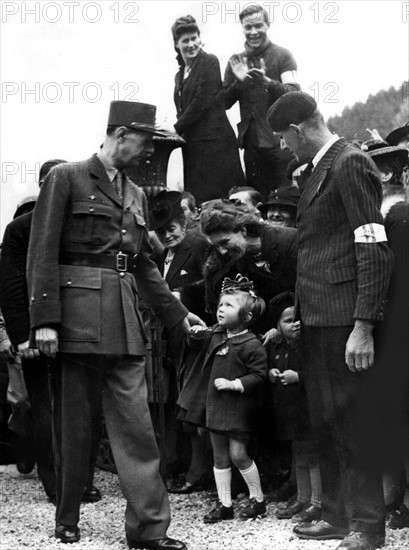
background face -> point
(64, 63)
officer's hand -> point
(190, 320)
(26, 352)
(47, 341)
(359, 351)
(6, 349)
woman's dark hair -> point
(222, 215)
(183, 25)
(391, 163)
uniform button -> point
(122, 274)
(91, 209)
(92, 197)
(33, 299)
(123, 231)
(69, 283)
(45, 295)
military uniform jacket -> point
(95, 310)
(340, 280)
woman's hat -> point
(163, 208)
(287, 195)
(398, 134)
(377, 148)
(135, 115)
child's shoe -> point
(253, 510)
(219, 513)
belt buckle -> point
(121, 262)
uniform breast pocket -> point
(80, 292)
(91, 222)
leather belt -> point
(120, 262)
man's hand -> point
(190, 320)
(6, 349)
(26, 352)
(47, 341)
(239, 67)
(273, 375)
(260, 74)
(222, 384)
(359, 351)
(271, 335)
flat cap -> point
(290, 108)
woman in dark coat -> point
(211, 156)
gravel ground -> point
(27, 521)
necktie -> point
(117, 183)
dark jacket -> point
(255, 97)
(211, 157)
(339, 280)
(94, 309)
(242, 357)
(13, 284)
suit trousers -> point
(80, 383)
(343, 415)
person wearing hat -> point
(88, 261)
(343, 272)
(211, 160)
(181, 263)
(256, 78)
(281, 206)
(399, 136)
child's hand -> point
(288, 377)
(222, 384)
(273, 375)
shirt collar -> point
(324, 149)
(110, 170)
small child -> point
(290, 410)
(229, 389)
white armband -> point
(370, 233)
(238, 386)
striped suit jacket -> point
(339, 280)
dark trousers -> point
(79, 384)
(344, 422)
(35, 373)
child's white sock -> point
(223, 484)
(252, 478)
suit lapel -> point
(318, 176)
(178, 261)
(98, 171)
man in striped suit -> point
(344, 266)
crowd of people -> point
(282, 293)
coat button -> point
(122, 274)
(69, 283)
(91, 209)
(123, 231)
(33, 299)
(45, 295)
(92, 197)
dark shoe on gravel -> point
(291, 509)
(159, 544)
(399, 518)
(254, 509)
(67, 534)
(286, 491)
(320, 530)
(357, 540)
(309, 514)
(219, 513)
(91, 494)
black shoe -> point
(357, 540)
(291, 510)
(67, 534)
(309, 514)
(52, 499)
(319, 530)
(25, 465)
(186, 487)
(219, 513)
(159, 544)
(253, 510)
(91, 494)
(399, 518)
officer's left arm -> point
(360, 191)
